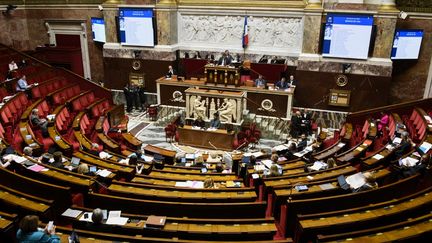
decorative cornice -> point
(245, 3)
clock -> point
(136, 65)
(341, 80)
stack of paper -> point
(103, 173)
(318, 165)
(340, 145)
(13, 157)
(115, 218)
(268, 163)
(280, 147)
(356, 181)
(72, 213)
(378, 156)
(259, 167)
(326, 186)
(397, 140)
(36, 168)
(104, 155)
(408, 161)
(147, 158)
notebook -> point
(155, 221)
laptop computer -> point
(93, 169)
(75, 161)
(342, 182)
(246, 159)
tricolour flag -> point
(245, 33)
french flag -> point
(245, 33)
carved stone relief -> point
(269, 32)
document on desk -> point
(378, 156)
(397, 140)
(87, 216)
(340, 145)
(147, 158)
(318, 165)
(103, 173)
(268, 163)
(356, 181)
(117, 220)
(408, 161)
(72, 213)
(36, 168)
(280, 147)
(425, 147)
(326, 186)
(16, 158)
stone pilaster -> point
(110, 12)
(388, 6)
(384, 38)
(166, 16)
(312, 28)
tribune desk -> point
(263, 102)
(221, 139)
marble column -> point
(386, 26)
(110, 12)
(166, 17)
(312, 28)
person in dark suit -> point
(225, 59)
(97, 223)
(215, 122)
(404, 146)
(282, 84)
(40, 122)
(292, 81)
(58, 160)
(306, 123)
(302, 143)
(199, 122)
(295, 124)
(170, 72)
(128, 96)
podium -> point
(225, 75)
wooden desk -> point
(226, 75)
(167, 154)
(221, 139)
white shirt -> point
(12, 66)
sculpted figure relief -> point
(227, 30)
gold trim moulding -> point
(245, 3)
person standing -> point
(128, 96)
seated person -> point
(83, 169)
(28, 151)
(319, 165)
(292, 149)
(208, 182)
(260, 82)
(97, 223)
(215, 122)
(382, 122)
(421, 166)
(94, 149)
(132, 160)
(170, 72)
(291, 81)
(275, 170)
(404, 146)
(40, 122)
(22, 84)
(4, 163)
(302, 144)
(219, 168)
(199, 122)
(28, 231)
(58, 160)
(199, 162)
(282, 84)
(13, 66)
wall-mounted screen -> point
(347, 36)
(98, 29)
(136, 26)
(406, 44)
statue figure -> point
(199, 108)
(226, 111)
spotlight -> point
(137, 53)
(403, 15)
(9, 9)
(100, 7)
